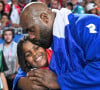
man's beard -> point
(44, 41)
(45, 37)
(8, 42)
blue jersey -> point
(76, 51)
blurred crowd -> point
(10, 11)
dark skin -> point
(38, 78)
(42, 79)
(29, 84)
(46, 78)
(41, 23)
(39, 20)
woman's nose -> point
(33, 53)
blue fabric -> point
(1, 40)
(76, 58)
(18, 76)
(18, 37)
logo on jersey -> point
(92, 28)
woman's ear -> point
(44, 18)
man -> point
(76, 49)
(64, 3)
(69, 6)
(54, 4)
(22, 3)
(9, 48)
(13, 9)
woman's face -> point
(35, 55)
(4, 19)
(1, 6)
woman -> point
(31, 57)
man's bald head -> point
(39, 19)
(31, 13)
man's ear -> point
(44, 18)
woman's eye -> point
(36, 48)
(27, 55)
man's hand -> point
(46, 77)
(25, 84)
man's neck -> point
(8, 44)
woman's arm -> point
(5, 86)
(17, 64)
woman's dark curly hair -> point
(25, 66)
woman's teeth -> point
(38, 59)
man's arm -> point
(88, 78)
(87, 40)
(46, 78)
(25, 83)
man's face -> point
(35, 55)
(64, 3)
(5, 1)
(8, 36)
(4, 19)
(38, 31)
(1, 6)
(54, 4)
(34, 32)
(74, 2)
(41, 34)
(38, 23)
